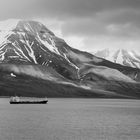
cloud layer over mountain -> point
(88, 25)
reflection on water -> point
(71, 119)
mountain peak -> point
(24, 26)
(26, 40)
(32, 27)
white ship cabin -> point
(14, 99)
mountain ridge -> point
(31, 49)
(124, 57)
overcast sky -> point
(84, 24)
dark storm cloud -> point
(61, 8)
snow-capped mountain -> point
(30, 42)
(124, 57)
(30, 49)
(20, 41)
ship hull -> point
(29, 102)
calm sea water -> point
(71, 119)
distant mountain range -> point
(35, 62)
(130, 58)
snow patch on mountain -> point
(30, 51)
(4, 36)
(51, 46)
(13, 75)
(70, 62)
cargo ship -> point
(16, 100)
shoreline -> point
(72, 98)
